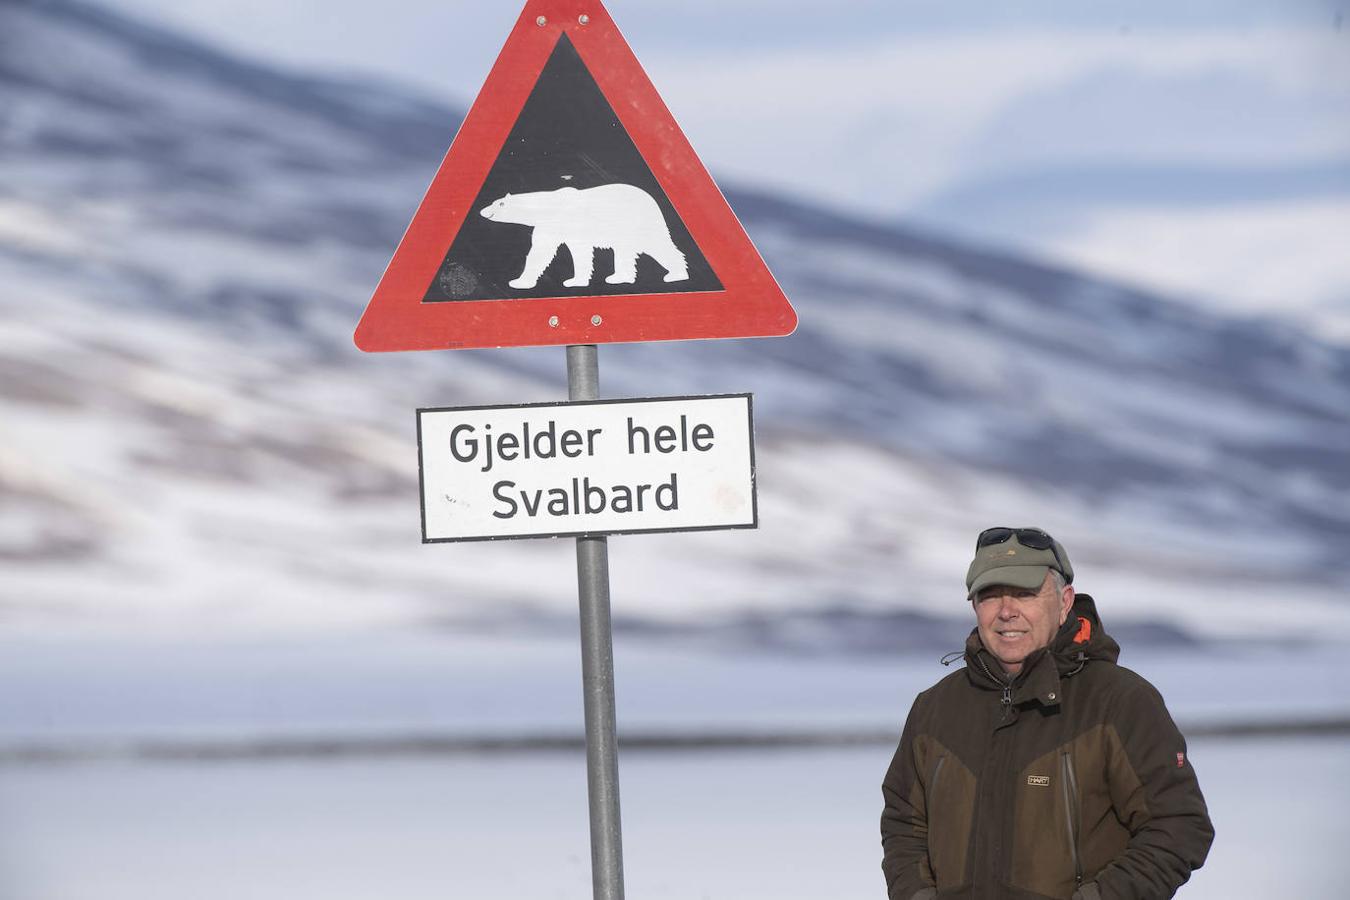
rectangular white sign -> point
(588, 467)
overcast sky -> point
(1202, 148)
(449, 45)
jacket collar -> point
(1080, 640)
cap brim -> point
(1029, 577)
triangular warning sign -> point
(568, 136)
(570, 209)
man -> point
(1042, 769)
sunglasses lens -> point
(991, 536)
(1028, 537)
(1036, 540)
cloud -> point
(1275, 257)
(888, 122)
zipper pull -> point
(1006, 702)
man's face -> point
(1015, 621)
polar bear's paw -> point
(523, 283)
(676, 276)
(576, 281)
(620, 278)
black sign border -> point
(754, 473)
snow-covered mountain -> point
(191, 441)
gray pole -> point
(597, 671)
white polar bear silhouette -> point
(621, 217)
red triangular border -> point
(751, 303)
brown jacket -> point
(1070, 782)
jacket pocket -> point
(935, 859)
(1072, 814)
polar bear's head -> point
(532, 207)
(508, 209)
(494, 209)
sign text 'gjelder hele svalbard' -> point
(592, 467)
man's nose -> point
(1007, 607)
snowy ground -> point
(721, 825)
(789, 823)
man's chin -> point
(1010, 659)
(1007, 651)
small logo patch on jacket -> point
(1181, 760)
(1041, 780)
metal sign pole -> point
(597, 671)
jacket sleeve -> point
(904, 822)
(1155, 791)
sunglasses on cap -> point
(1027, 537)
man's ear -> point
(1065, 603)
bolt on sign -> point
(570, 209)
(604, 466)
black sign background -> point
(567, 135)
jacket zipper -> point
(989, 794)
(1071, 807)
(1006, 698)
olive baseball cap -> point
(1001, 557)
